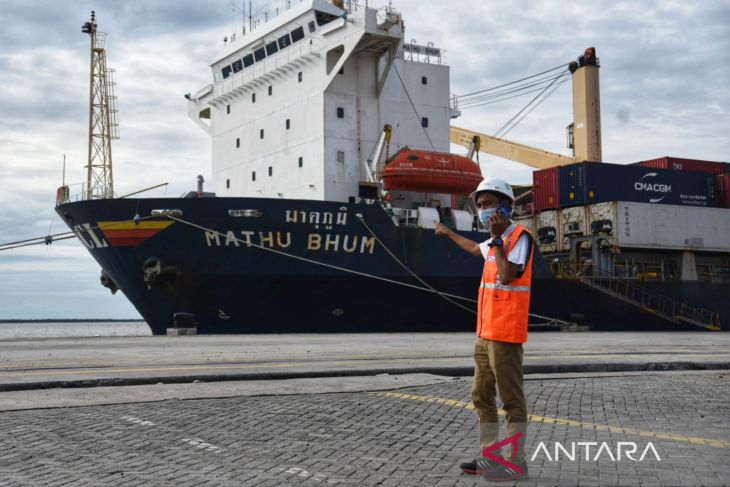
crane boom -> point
(513, 151)
(584, 133)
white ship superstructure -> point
(299, 103)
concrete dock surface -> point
(356, 409)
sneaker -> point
(478, 466)
(500, 473)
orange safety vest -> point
(504, 309)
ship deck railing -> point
(629, 291)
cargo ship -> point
(331, 167)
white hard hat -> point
(495, 185)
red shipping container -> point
(723, 186)
(546, 189)
(679, 164)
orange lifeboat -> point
(431, 172)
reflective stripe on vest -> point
(504, 287)
(504, 308)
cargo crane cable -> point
(408, 269)
(533, 108)
(498, 98)
(513, 82)
(420, 120)
(513, 89)
(311, 261)
(516, 89)
(469, 104)
(499, 133)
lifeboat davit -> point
(431, 172)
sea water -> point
(73, 329)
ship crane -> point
(584, 134)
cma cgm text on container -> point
(587, 183)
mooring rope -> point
(426, 287)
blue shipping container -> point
(587, 183)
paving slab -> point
(416, 435)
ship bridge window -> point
(237, 66)
(226, 71)
(247, 60)
(312, 26)
(297, 34)
(271, 48)
(259, 54)
(324, 18)
(284, 41)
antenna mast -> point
(103, 125)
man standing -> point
(504, 303)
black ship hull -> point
(251, 265)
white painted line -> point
(202, 445)
(300, 472)
(142, 422)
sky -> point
(664, 91)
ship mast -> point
(103, 126)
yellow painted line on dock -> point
(569, 422)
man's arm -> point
(469, 245)
(507, 271)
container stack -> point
(638, 205)
(588, 183)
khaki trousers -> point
(498, 367)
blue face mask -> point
(504, 209)
(485, 215)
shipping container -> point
(527, 221)
(662, 227)
(679, 164)
(573, 222)
(548, 232)
(545, 193)
(723, 190)
(592, 182)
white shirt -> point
(518, 254)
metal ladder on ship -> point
(631, 293)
